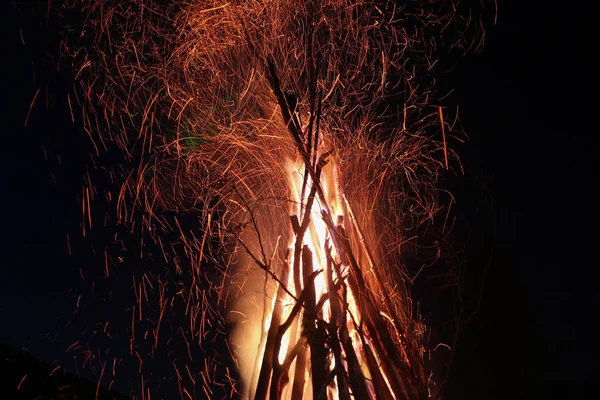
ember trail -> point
(307, 139)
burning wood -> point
(344, 351)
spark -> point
(21, 381)
(37, 92)
(232, 118)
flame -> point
(316, 234)
(317, 238)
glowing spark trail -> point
(276, 155)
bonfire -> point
(306, 137)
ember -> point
(306, 137)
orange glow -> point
(228, 115)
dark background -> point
(526, 205)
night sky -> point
(525, 205)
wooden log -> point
(278, 369)
(267, 362)
(333, 326)
(399, 377)
(356, 379)
(316, 337)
